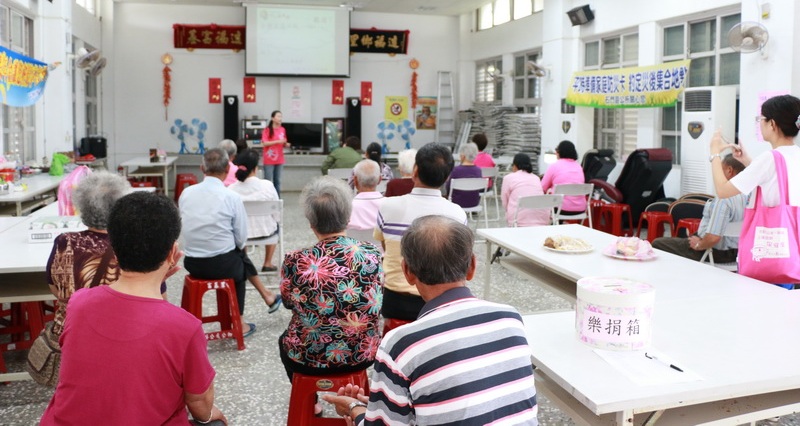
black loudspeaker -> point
(95, 145)
(230, 129)
(580, 15)
(353, 119)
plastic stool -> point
(611, 215)
(391, 323)
(691, 225)
(227, 307)
(655, 224)
(182, 181)
(26, 317)
(141, 184)
(596, 205)
(304, 396)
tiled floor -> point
(251, 386)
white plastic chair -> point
(552, 202)
(470, 184)
(364, 235)
(382, 186)
(492, 174)
(343, 174)
(584, 189)
(272, 208)
(733, 229)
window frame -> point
(17, 124)
(487, 90)
(536, 7)
(527, 78)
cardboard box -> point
(46, 229)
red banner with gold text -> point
(211, 36)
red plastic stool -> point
(691, 225)
(227, 307)
(26, 317)
(596, 205)
(141, 184)
(182, 181)
(391, 323)
(304, 396)
(611, 216)
(655, 224)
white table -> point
(142, 167)
(38, 192)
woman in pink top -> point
(274, 140)
(482, 159)
(522, 183)
(566, 170)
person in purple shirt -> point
(467, 169)
(566, 170)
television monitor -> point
(305, 136)
(293, 40)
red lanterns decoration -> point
(413, 64)
(166, 59)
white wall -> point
(144, 33)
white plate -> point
(586, 250)
(623, 257)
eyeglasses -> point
(761, 117)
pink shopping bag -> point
(65, 188)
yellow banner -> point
(652, 86)
(396, 108)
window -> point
(92, 103)
(614, 128)
(488, 84)
(714, 63)
(527, 86)
(18, 123)
(499, 12)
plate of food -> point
(630, 248)
(565, 244)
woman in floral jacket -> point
(333, 288)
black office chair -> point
(641, 181)
(598, 164)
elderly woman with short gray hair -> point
(333, 288)
(467, 169)
(86, 259)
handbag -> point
(769, 246)
(44, 358)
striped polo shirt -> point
(395, 216)
(465, 361)
(717, 214)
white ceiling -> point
(420, 7)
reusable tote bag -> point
(769, 249)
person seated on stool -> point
(251, 188)
(433, 164)
(368, 200)
(467, 169)
(230, 148)
(215, 233)
(404, 184)
(717, 214)
(128, 356)
(566, 170)
(333, 290)
(463, 361)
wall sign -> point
(211, 36)
(378, 41)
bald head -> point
(437, 249)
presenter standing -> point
(274, 140)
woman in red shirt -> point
(274, 140)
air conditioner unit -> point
(705, 109)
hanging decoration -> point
(413, 64)
(366, 93)
(22, 79)
(166, 59)
(215, 90)
(249, 85)
(211, 36)
(337, 92)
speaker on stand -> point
(353, 119)
(230, 128)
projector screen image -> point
(297, 41)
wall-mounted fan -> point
(748, 37)
(536, 69)
(85, 58)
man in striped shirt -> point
(464, 361)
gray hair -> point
(469, 151)
(96, 194)
(406, 160)
(215, 161)
(437, 249)
(368, 174)
(327, 203)
(229, 146)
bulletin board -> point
(296, 100)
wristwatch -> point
(713, 156)
(355, 404)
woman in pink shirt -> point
(522, 183)
(566, 170)
(274, 140)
